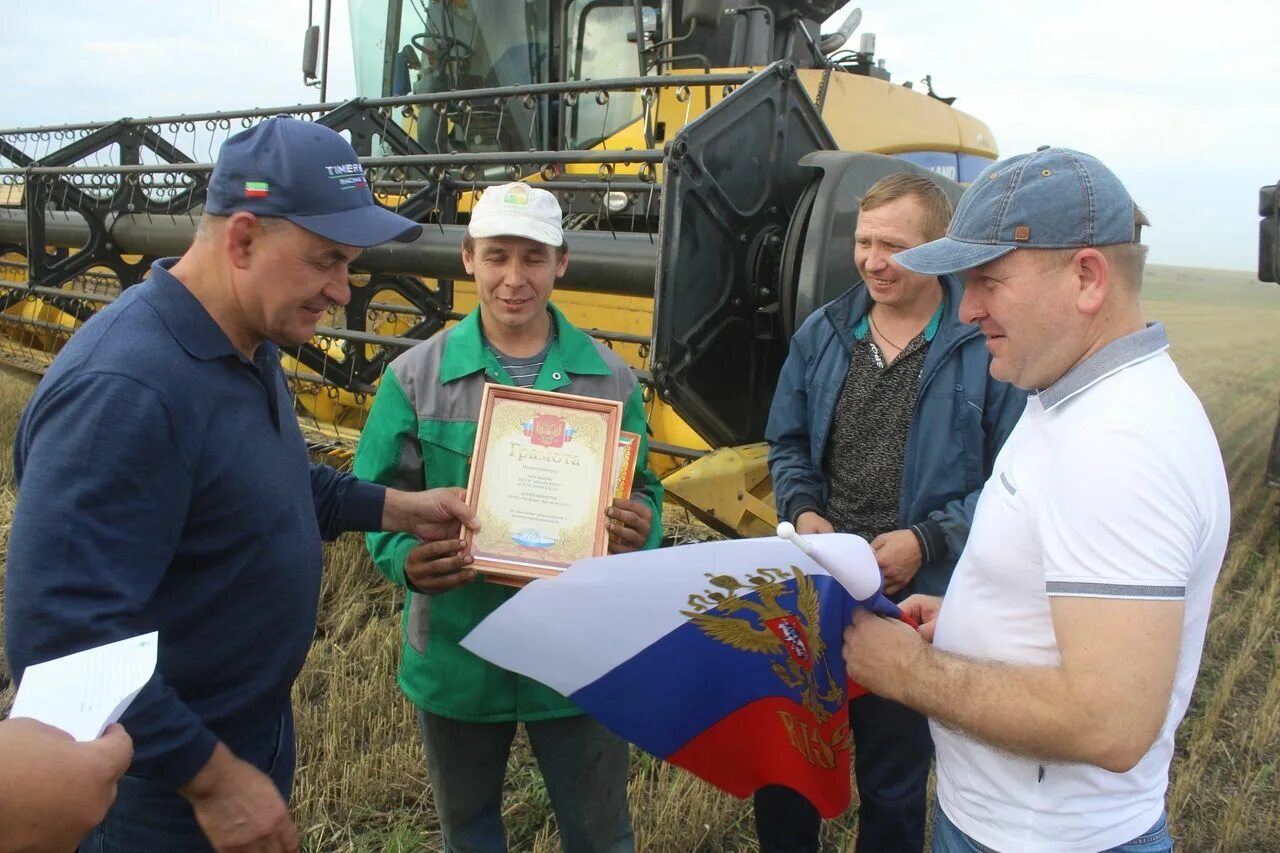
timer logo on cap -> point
(348, 175)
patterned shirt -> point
(868, 438)
(523, 371)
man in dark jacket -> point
(885, 424)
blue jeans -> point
(947, 838)
(149, 816)
(892, 750)
(583, 764)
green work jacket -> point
(419, 435)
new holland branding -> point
(348, 175)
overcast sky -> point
(1183, 105)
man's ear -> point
(468, 261)
(240, 237)
(562, 263)
(1093, 280)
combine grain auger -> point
(708, 211)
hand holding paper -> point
(53, 790)
(85, 692)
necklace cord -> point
(872, 317)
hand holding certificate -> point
(542, 477)
(630, 522)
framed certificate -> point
(542, 474)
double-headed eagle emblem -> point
(748, 615)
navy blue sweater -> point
(163, 484)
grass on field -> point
(361, 781)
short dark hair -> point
(469, 246)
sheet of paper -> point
(85, 692)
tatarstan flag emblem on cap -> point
(256, 189)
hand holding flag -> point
(878, 652)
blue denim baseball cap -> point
(1052, 198)
(308, 174)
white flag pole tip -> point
(787, 531)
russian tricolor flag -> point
(722, 658)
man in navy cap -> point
(1067, 648)
(164, 486)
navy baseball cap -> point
(308, 174)
(1053, 198)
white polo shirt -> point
(1110, 486)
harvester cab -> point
(709, 159)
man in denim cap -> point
(1066, 650)
(164, 486)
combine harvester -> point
(709, 160)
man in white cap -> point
(1067, 648)
(420, 434)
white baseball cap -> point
(517, 210)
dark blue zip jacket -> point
(962, 418)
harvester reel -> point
(427, 308)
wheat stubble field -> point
(361, 781)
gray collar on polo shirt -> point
(1112, 358)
